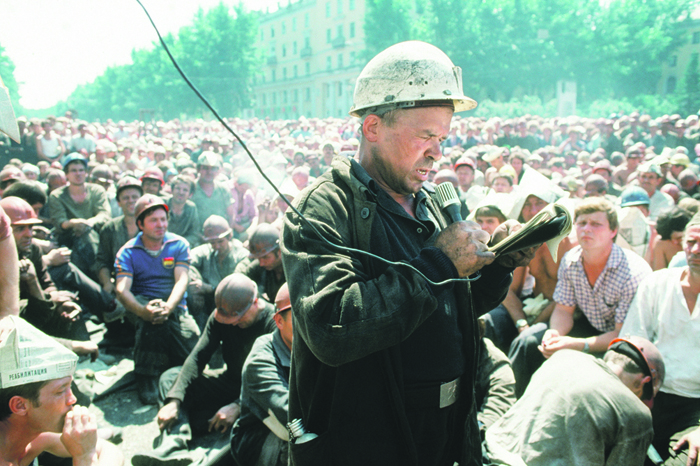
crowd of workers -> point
(167, 234)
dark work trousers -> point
(674, 416)
(90, 294)
(526, 358)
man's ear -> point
(19, 405)
(370, 127)
(278, 320)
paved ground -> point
(109, 381)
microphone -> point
(449, 201)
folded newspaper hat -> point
(29, 355)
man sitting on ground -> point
(37, 412)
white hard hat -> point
(409, 74)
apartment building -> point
(674, 67)
(311, 51)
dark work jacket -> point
(346, 382)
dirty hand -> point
(168, 414)
(514, 259)
(465, 244)
(225, 417)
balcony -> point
(338, 42)
(305, 52)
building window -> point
(328, 9)
(306, 20)
(673, 60)
(696, 37)
(352, 58)
(274, 76)
(340, 30)
(351, 5)
(307, 67)
(284, 28)
(308, 94)
(670, 84)
(294, 24)
(284, 97)
(295, 96)
(328, 36)
(272, 32)
(284, 73)
(352, 30)
(328, 63)
(294, 48)
(284, 51)
(340, 7)
(274, 98)
(296, 71)
(327, 87)
(340, 61)
(340, 88)
(307, 42)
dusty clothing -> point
(575, 412)
(267, 280)
(261, 431)
(235, 345)
(368, 336)
(186, 224)
(113, 236)
(62, 207)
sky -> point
(57, 45)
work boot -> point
(147, 387)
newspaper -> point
(29, 355)
(551, 225)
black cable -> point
(337, 247)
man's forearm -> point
(130, 303)
(9, 278)
(178, 291)
(104, 276)
(562, 321)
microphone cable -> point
(336, 247)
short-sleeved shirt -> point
(606, 303)
(217, 204)
(153, 277)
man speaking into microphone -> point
(384, 359)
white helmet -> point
(406, 75)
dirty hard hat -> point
(264, 240)
(147, 203)
(409, 74)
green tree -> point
(215, 53)
(386, 23)
(689, 95)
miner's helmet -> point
(282, 301)
(148, 203)
(264, 240)
(233, 297)
(406, 75)
(128, 182)
(634, 195)
(19, 211)
(647, 356)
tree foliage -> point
(512, 48)
(215, 52)
(689, 95)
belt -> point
(434, 396)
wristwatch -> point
(520, 323)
